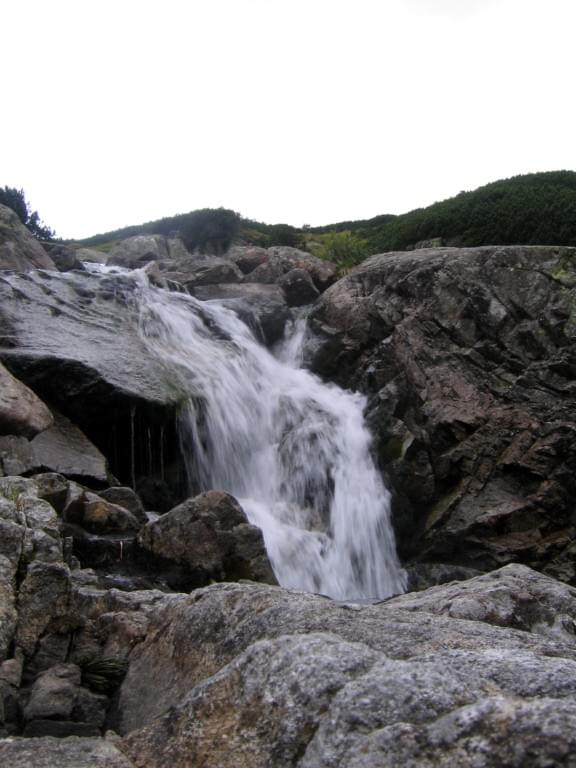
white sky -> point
(116, 112)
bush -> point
(343, 248)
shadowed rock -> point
(468, 357)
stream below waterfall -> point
(293, 450)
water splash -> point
(293, 450)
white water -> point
(294, 451)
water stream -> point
(293, 450)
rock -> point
(8, 615)
(72, 752)
(126, 498)
(57, 695)
(91, 255)
(64, 449)
(16, 456)
(19, 249)
(285, 678)
(262, 307)
(210, 628)
(64, 335)
(135, 252)
(269, 265)
(44, 604)
(208, 537)
(468, 359)
(100, 516)
(53, 488)
(67, 333)
(247, 258)
(298, 286)
(513, 596)
(424, 575)
(194, 271)
(64, 257)
(21, 412)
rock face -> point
(21, 412)
(19, 249)
(258, 676)
(208, 537)
(468, 357)
(74, 339)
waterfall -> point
(294, 451)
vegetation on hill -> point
(537, 208)
(534, 209)
(16, 200)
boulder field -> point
(145, 630)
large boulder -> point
(19, 249)
(468, 358)
(192, 271)
(75, 339)
(259, 676)
(21, 412)
(208, 537)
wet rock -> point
(21, 412)
(262, 307)
(207, 537)
(19, 249)
(468, 359)
(91, 255)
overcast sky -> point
(116, 112)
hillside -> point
(533, 209)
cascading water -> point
(294, 451)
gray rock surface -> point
(66, 334)
(19, 249)
(262, 307)
(255, 675)
(267, 265)
(21, 412)
(72, 752)
(135, 252)
(468, 359)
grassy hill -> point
(537, 208)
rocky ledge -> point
(468, 358)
